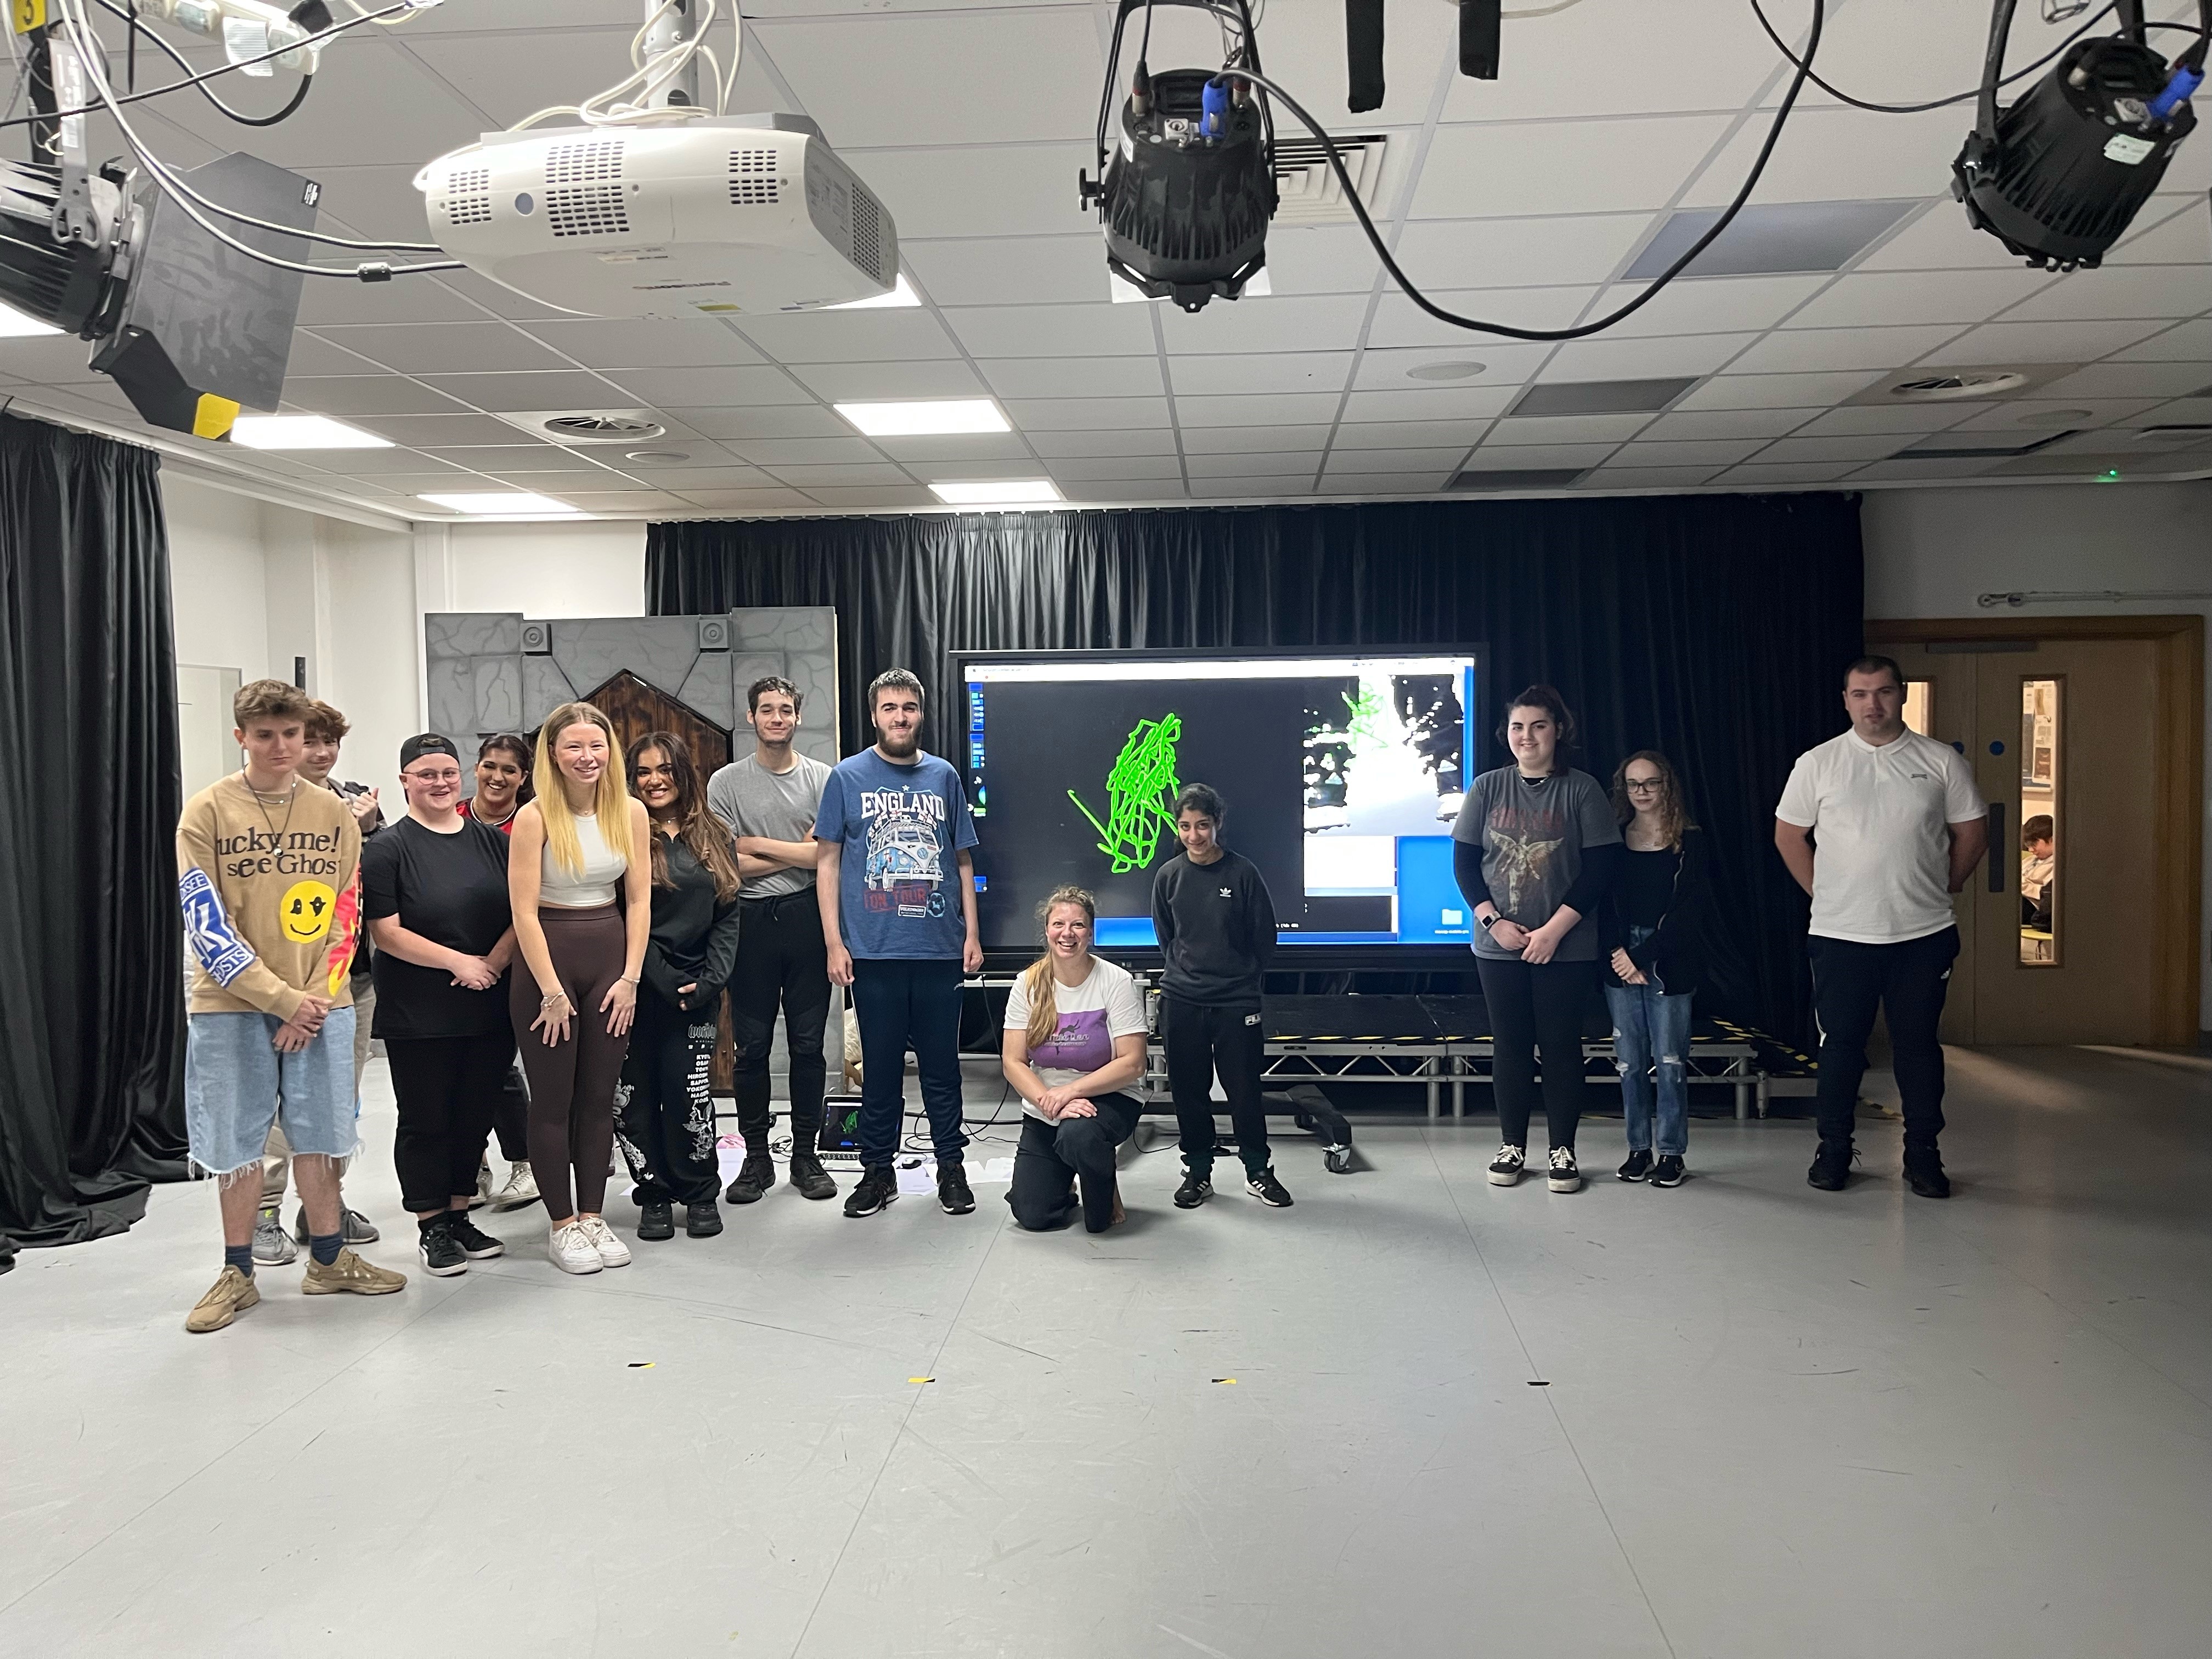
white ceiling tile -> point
(1870, 298)
(849, 337)
(1741, 390)
(1232, 440)
(779, 452)
(1158, 439)
(1755, 475)
(1918, 471)
(1799, 350)
(1115, 466)
(614, 342)
(747, 501)
(872, 382)
(685, 479)
(310, 355)
(442, 347)
(1839, 155)
(1009, 271)
(513, 458)
(355, 394)
(1304, 52)
(350, 118)
(2129, 380)
(1400, 322)
(1031, 190)
(1271, 323)
(365, 463)
(438, 431)
(1021, 466)
(1288, 464)
(2190, 342)
(1872, 446)
(561, 65)
(1319, 259)
(1072, 377)
(1099, 330)
(1606, 358)
(622, 500)
(403, 300)
(1547, 62)
(874, 496)
(960, 446)
(1716, 304)
(47, 360)
(1505, 365)
(556, 389)
(2040, 414)
(1466, 254)
(1284, 371)
(1035, 415)
(1516, 457)
(372, 201)
(1647, 477)
(1942, 240)
(1859, 48)
(1726, 423)
(2179, 239)
(784, 421)
(1894, 417)
(1410, 435)
(1568, 429)
(2038, 343)
(1561, 167)
(806, 476)
(1429, 404)
(498, 299)
(1694, 451)
(1353, 462)
(1282, 409)
(1264, 489)
(2165, 291)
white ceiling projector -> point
(728, 216)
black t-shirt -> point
(1646, 887)
(452, 890)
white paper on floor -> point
(917, 1172)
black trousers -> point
(781, 959)
(1537, 1008)
(1908, 981)
(1054, 1159)
(665, 1104)
(909, 1003)
(1201, 1042)
(510, 1117)
(445, 1087)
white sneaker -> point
(571, 1249)
(612, 1252)
(521, 1188)
(483, 1185)
(1563, 1176)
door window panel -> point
(1920, 707)
(2041, 833)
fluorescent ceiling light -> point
(301, 432)
(937, 415)
(15, 324)
(1018, 492)
(504, 504)
(901, 294)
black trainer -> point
(755, 1177)
(1667, 1171)
(701, 1220)
(1923, 1172)
(952, 1192)
(1638, 1167)
(475, 1243)
(654, 1221)
(1268, 1190)
(809, 1177)
(879, 1188)
(1197, 1187)
(1831, 1166)
(1505, 1169)
(442, 1255)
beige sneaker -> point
(612, 1252)
(350, 1273)
(229, 1297)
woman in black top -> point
(665, 1116)
(1649, 930)
(434, 890)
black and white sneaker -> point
(953, 1195)
(1505, 1169)
(1563, 1176)
(1667, 1171)
(879, 1188)
(442, 1254)
(475, 1243)
(1638, 1167)
(1268, 1190)
(1196, 1189)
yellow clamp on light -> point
(214, 416)
(29, 15)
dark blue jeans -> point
(1649, 1026)
(906, 1004)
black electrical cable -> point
(1967, 97)
(139, 27)
(1727, 218)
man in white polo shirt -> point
(1880, 825)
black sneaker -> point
(1638, 1167)
(879, 1188)
(1505, 1169)
(442, 1254)
(1197, 1187)
(475, 1243)
(809, 1177)
(1831, 1166)
(1563, 1176)
(701, 1220)
(655, 1222)
(952, 1192)
(1667, 1171)
(755, 1177)
(354, 1227)
(1268, 1190)
(1923, 1172)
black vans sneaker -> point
(1923, 1172)
(441, 1253)
(1667, 1171)
(1563, 1176)
(1638, 1167)
(953, 1195)
(1505, 1169)
(1196, 1189)
(1831, 1166)
(879, 1188)
(475, 1243)
(1268, 1190)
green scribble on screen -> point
(1362, 718)
(1140, 794)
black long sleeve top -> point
(1216, 925)
(694, 934)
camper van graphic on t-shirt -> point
(906, 867)
(900, 828)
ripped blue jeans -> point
(1649, 1025)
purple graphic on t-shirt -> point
(1079, 1043)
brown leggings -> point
(572, 1083)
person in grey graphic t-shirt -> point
(768, 801)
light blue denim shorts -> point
(236, 1084)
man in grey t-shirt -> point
(768, 801)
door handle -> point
(1996, 847)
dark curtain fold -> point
(1713, 627)
(92, 1017)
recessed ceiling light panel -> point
(1464, 370)
(927, 416)
(1014, 492)
(1601, 397)
(301, 432)
(504, 504)
(1769, 239)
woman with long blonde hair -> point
(1074, 1041)
(580, 878)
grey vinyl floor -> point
(1415, 1415)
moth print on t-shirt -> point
(906, 850)
(1080, 1042)
(1524, 863)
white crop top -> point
(600, 884)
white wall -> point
(1933, 552)
(218, 579)
(548, 569)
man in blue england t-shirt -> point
(897, 890)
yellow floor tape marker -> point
(921, 1379)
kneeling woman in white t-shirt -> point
(1074, 1041)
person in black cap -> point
(435, 899)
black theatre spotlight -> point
(2058, 177)
(1188, 187)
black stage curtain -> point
(1713, 627)
(91, 1064)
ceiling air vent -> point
(1601, 397)
(1307, 188)
(600, 428)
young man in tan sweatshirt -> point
(269, 880)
